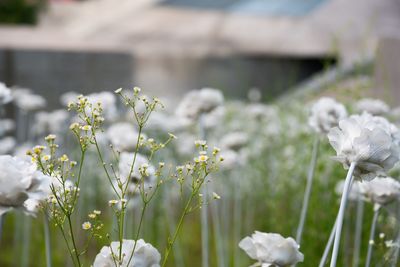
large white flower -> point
(7, 145)
(365, 140)
(145, 255)
(21, 185)
(326, 114)
(28, 101)
(372, 106)
(123, 136)
(234, 141)
(6, 126)
(147, 174)
(5, 94)
(198, 102)
(271, 249)
(380, 190)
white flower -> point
(50, 122)
(326, 114)
(21, 185)
(5, 94)
(354, 193)
(125, 164)
(361, 139)
(123, 136)
(381, 191)
(7, 145)
(6, 126)
(261, 111)
(272, 249)
(28, 101)
(234, 141)
(199, 102)
(372, 106)
(145, 255)
(68, 97)
(108, 103)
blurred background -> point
(269, 57)
(170, 46)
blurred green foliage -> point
(20, 11)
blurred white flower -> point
(68, 97)
(28, 101)
(21, 185)
(261, 111)
(54, 122)
(355, 190)
(108, 103)
(125, 165)
(123, 136)
(213, 118)
(145, 255)
(5, 94)
(254, 94)
(271, 249)
(7, 145)
(198, 102)
(234, 141)
(361, 139)
(380, 190)
(326, 114)
(6, 126)
(372, 106)
(161, 121)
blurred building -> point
(175, 45)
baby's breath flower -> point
(118, 91)
(200, 143)
(46, 157)
(97, 212)
(86, 127)
(136, 90)
(112, 202)
(50, 137)
(86, 225)
(216, 196)
(74, 126)
(172, 136)
(64, 158)
(203, 158)
(92, 215)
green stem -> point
(138, 231)
(73, 240)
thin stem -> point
(172, 241)
(66, 242)
(237, 216)
(328, 246)
(358, 232)
(372, 235)
(138, 231)
(307, 193)
(340, 217)
(1, 225)
(75, 250)
(47, 240)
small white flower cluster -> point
(5, 94)
(270, 249)
(372, 106)
(28, 101)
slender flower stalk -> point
(47, 240)
(372, 234)
(358, 232)
(342, 208)
(307, 193)
(328, 246)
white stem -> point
(217, 233)
(328, 246)
(1, 225)
(372, 235)
(307, 193)
(47, 240)
(340, 217)
(237, 216)
(358, 232)
(26, 242)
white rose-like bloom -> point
(28, 101)
(271, 249)
(7, 145)
(125, 164)
(326, 114)
(234, 141)
(21, 185)
(381, 191)
(361, 139)
(197, 102)
(5, 94)
(108, 103)
(123, 136)
(68, 97)
(354, 193)
(145, 255)
(372, 106)
(53, 122)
